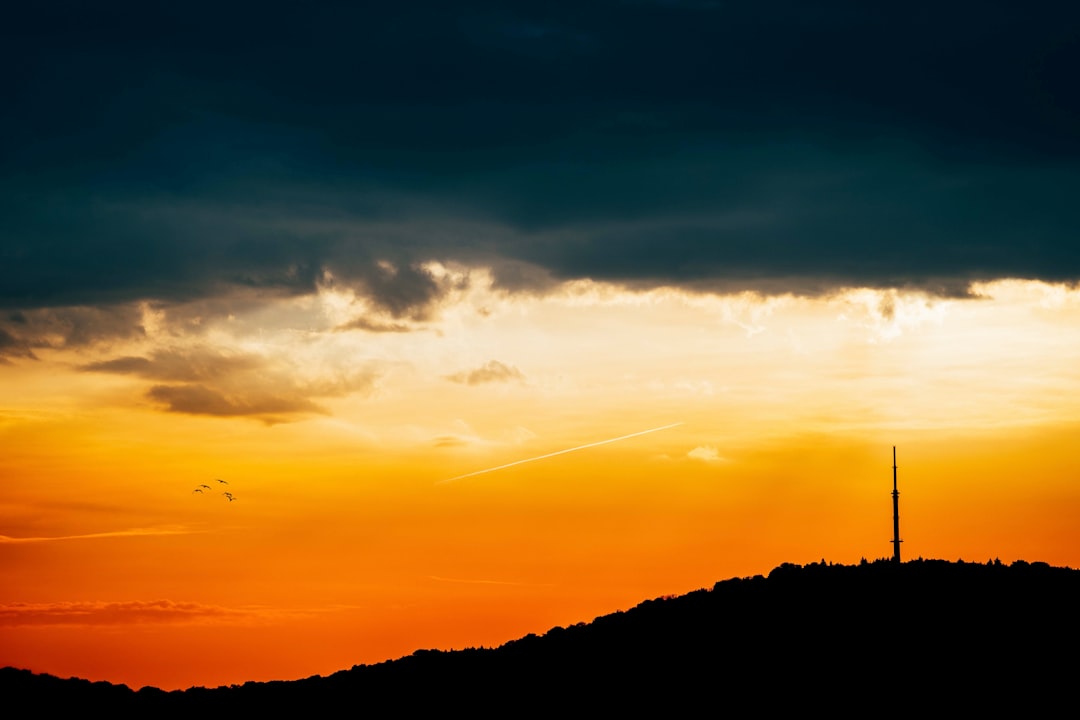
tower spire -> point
(895, 511)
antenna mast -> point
(895, 511)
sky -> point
(334, 331)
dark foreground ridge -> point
(873, 639)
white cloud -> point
(706, 453)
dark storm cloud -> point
(178, 151)
(405, 290)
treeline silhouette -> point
(873, 639)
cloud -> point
(158, 611)
(450, 441)
(705, 453)
(112, 613)
(192, 365)
(376, 326)
(492, 371)
(362, 380)
(200, 400)
(407, 290)
(11, 346)
(518, 435)
(68, 327)
(463, 435)
(757, 146)
(701, 388)
(202, 381)
(133, 532)
(480, 581)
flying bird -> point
(228, 495)
(197, 490)
(205, 486)
(221, 481)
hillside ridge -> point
(936, 629)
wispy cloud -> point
(493, 371)
(111, 613)
(373, 325)
(133, 532)
(447, 441)
(157, 611)
(468, 581)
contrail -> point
(558, 452)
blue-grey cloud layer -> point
(179, 150)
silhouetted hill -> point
(880, 639)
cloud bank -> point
(174, 153)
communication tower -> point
(895, 511)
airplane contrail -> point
(559, 452)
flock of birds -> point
(203, 488)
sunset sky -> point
(495, 317)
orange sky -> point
(349, 543)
